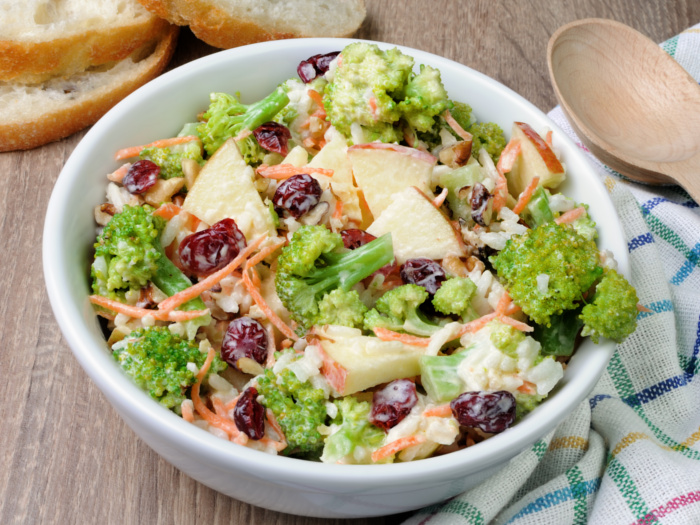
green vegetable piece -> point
(314, 263)
(439, 376)
(454, 298)
(526, 403)
(298, 407)
(356, 438)
(613, 312)
(558, 339)
(506, 338)
(170, 158)
(342, 308)
(487, 135)
(424, 99)
(462, 177)
(227, 117)
(569, 260)
(157, 362)
(538, 210)
(398, 310)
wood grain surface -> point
(66, 457)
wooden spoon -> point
(630, 103)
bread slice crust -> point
(27, 61)
(29, 120)
(220, 26)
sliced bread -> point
(232, 23)
(33, 115)
(42, 39)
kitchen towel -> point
(630, 454)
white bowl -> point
(284, 484)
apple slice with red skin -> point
(536, 159)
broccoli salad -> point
(351, 269)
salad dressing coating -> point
(388, 278)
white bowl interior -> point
(159, 110)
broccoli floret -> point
(462, 113)
(506, 338)
(128, 255)
(378, 91)
(341, 308)
(299, 408)
(566, 260)
(613, 312)
(487, 135)
(170, 158)
(157, 362)
(398, 310)
(454, 298)
(314, 263)
(227, 117)
(354, 438)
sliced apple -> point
(224, 189)
(297, 156)
(383, 170)
(353, 362)
(536, 159)
(417, 227)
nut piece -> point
(457, 154)
(104, 213)
(163, 190)
(190, 169)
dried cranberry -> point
(393, 403)
(209, 250)
(299, 194)
(354, 238)
(479, 202)
(244, 337)
(273, 137)
(249, 415)
(142, 175)
(492, 412)
(423, 272)
(314, 66)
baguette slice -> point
(231, 23)
(40, 40)
(33, 115)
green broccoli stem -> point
(345, 270)
(264, 110)
(170, 280)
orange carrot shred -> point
(396, 446)
(195, 290)
(508, 156)
(528, 388)
(571, 215)
(316, 97)
(167, 211)
(526, 195)
(338, 211)
(137, 313)
(119, 174)
(284, 171)
(464, 134)
(134, 151)
(187, 411)
(389, 335)
(439, 411)
(518, 325)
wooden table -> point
(66, 457)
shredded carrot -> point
(508, 156)
(503, 303)
(205, 284)
(518, 325)
(464, 134)
(257, 296)
(187, 411)
(134, 151)
(389, 335)
(396, 446)
(437, 201)
(526, 195)
(219, 407)
(287, 343)
(548, 138)
(167, 211)
(528, 388)
(284, 171)
(333, 371)
(477, 324)
(272, 420)
(439, 411)
(316, 97)
(119, 174)
(138, 313)
(338, 211)
(270, 359)
(500, 194)
(232, 404)
(571, 215)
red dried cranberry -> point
(273, 137)
(245, 337)
(354, 238)
(249, 415)
(297, 195)
(142, 175)
(314, 66)
(209, 250)
(393, 403)
(492, 412)
(423, 272)
(479, 202)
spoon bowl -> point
(631, 104)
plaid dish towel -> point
(630, 454)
